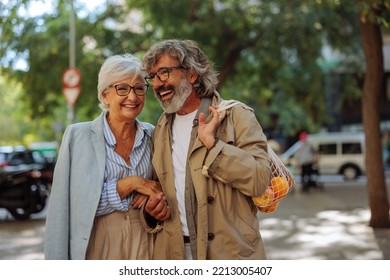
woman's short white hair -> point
(115, 68)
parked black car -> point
(18, 158)
(25, 180)
(22, 193)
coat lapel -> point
(97, 140)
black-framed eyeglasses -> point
(139, 89)
(162, 73)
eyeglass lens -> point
(162, 74)
(124, 89)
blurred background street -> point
(305, 67)
(329, 224)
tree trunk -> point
(228, 67)
(376, 183)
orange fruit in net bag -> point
(266, 199)
(280, 187)
(270, 208)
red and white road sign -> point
(71, 94)
(71, 77)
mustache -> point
(164, 88)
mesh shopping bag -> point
(282, 181)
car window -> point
(38, 157)
(22, 158)
(25, 157)
(327, 149)
(351, 148)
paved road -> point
(329, 224)
(21, 240)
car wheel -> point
(350, 172)
(39, 207)
(20, 213)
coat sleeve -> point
(56, 240)
(240, 158)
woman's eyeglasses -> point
(139, 89)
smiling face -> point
(124, 108)
(174, 93)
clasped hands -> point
(155, 202)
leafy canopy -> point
(272, 55)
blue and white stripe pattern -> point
(116, 167)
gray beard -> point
(181, 93)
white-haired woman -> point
(103, 175)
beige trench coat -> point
(224, 179)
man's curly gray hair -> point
(190, 56)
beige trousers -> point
(119, 236)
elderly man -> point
(210, 162)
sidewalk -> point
(331, 224)
(322, 225)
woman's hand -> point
(138, 200)
(141, 185)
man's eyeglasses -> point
(139, 89)
(162, 73)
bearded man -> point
(210, 162)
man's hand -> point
(207, 131)
(157, 207)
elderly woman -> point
(103, 174)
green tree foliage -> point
(269, 53)
(266, 51)
(375, 11)
(16, 125)
(10, 129)
(44, 42)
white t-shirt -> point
(181, 135)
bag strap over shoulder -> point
(227, 104)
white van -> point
(338, 153)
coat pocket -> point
(244, 222)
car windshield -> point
(38, 157)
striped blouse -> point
(116, 167)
